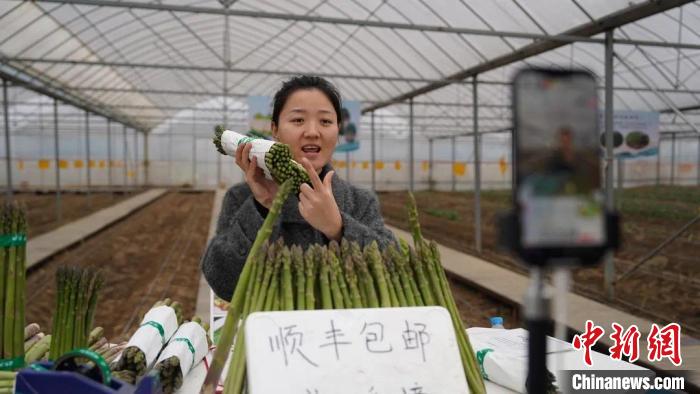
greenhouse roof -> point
(142, 62)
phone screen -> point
(558, 159)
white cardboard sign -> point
(372, 351)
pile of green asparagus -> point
(345, 275)
(13, 239)
(76, 299)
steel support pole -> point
(194, 161)
(109, 157)
(58, 159)
(374, 169)
(477, 167)
(194, 149)
(410, 144)
(126, 161)
(87, 158)
(673, 158)
(609, 268)
(146, 163)
(697, 166)
(227, 65)
(430, 163)
(137, 167)
(8, 152)
(454, 159)
(658, 165)
(170, 155)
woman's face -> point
(308, 124)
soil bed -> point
(152, 254)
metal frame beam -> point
(446, 104)
(184, 67)
(566, 37)
(51, 89)
(608, 22)
(8, 152)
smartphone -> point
(558, 193)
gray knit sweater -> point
(241, 217)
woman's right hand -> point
(264, 190)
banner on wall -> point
(349, 127)
(635, 134)
(260, 116)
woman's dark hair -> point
(305, 82)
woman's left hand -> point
(317, 205)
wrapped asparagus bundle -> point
(185, 349)
(13, 240)
(157, 327)
(274, 158)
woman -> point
(306, 116)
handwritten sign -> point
(373, 351)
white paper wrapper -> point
(148, 337)
(231, 139)
(505, 370)
(190, 333)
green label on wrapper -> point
(158, 327)
(246, 140)
(10, 240)
(10, 364)
(480, 355)
(189, 345)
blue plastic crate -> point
(36, 381)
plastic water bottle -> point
(496, 322)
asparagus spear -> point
(300, 277)
(324, 280)
(20, 286)
(310, 270)
(10, 283)
(374, 257)
(287, 291)
(353, 287)
(6, 229)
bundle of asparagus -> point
(13, 240)
(185, 349)
(100, 345)
(76, 299)
(157, 327)
(274, 158)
